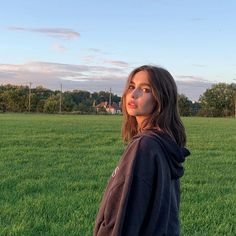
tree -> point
(195, 108)
(218, 100)
(3, 104)
(184, 105)
(39, 95)
(51, 105)
(14, 98)
(68, 103)
(79, 96)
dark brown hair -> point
(165, 116)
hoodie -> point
(143, 194)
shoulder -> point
(148, 141)
(149, 157)
(148, 148)
(151, 149)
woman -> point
(143, 193)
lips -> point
(132, 105)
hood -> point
(173, 152)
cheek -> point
(150, 103)
(126, 100)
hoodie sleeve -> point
(137, 207)
(147, 211)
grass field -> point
(53, 170)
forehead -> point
(140, 77)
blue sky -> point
(93, 45)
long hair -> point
(165, 116)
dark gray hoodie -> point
(143, 194)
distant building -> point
(111, 109)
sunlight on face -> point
(139, 99)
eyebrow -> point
(142, 84)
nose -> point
(135, 93)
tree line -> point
(15, 98)
(219, 100)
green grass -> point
(54, 168)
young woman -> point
(143, 193)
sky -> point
(94, 45)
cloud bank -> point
(51, 75)
(192, 86)
(86, 77)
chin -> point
(131, 113)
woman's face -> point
(139, 99)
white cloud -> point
(88, 59)
(59, 47)
(117, 63)
(63, 33)
(75, 79)
(94, 50)
(190, 79)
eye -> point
(146, 90)
(131, 87)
